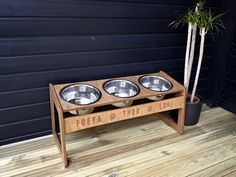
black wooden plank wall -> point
(64, 41)
(223, 68)
(228, 90)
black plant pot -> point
(193, 111)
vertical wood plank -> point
(62, 138)
(53, 120)
(52, 108)
(181, 114)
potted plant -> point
(203, 20)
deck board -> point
(135, 148)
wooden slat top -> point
(107, 99)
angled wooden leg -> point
(179, 126)
(53, 121)
(168, 121)
(181, 118)
(181, 115)
(62, 139)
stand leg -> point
(179, 127)
(52, 108)
(60, 141)
(168, 121)
(181, 117)
(62, 138)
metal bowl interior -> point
(123, 104)
(156, 98)
(80, 94)
(121, 88)
(156, 83)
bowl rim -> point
(138, 89)
(87, 85)
(156, 77)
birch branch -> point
(187, 53)
(190, 63)
(202, 33)
(192, 50)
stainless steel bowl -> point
(80, 94)
(156, 83)
(121, 89)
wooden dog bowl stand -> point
(73, 123)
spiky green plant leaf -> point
(209, 21)
(189, 17)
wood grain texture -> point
(61, 41)
(139, 147)
(108, 99)
(76, 123)
(176, 101)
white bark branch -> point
(190, 63)
(202, 33)
(192, 50)
(187, 53)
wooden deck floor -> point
(140, 147)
